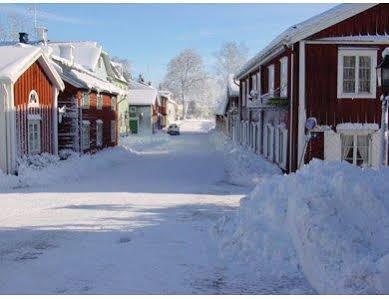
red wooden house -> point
(89, 102)
(322, 68)
(29, 87)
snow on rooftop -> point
(306, 28)
(86, 53)
(80, 77)
(142, 97)
(118, 70)
(14, 58)
(357, 38)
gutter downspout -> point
(301, 104)
(291, 107)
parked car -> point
(173, 129)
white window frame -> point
(113, 131)
(113, 103)
(357, 52)
(355, 144)
(85, 137)
(30, 104)
(271, 79)
(281, 161)
(99, 101)
(34, 146)
(284, 77)
(99, 137)
(85, 100)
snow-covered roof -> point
(80, 77)
(118, 69)
(141, 94)
(305, 29)
(86, 53)
(356, 38)
(16, 57)
(232, 87)
(142, 97)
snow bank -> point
(328, 222)
(243, 167)
(46, 169)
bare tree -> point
(186, 78)
(127, 65)
(230, 57)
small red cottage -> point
(29, 88)
(323, 68)
(89, 119)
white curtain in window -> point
(363, 150)
(347, 146)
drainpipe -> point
(384, 128)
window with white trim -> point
(271, 79)
(34, 136)
(281, 145)
(85, 135)
(113, 103)
(85, 100)
(100, 99)
(356, 149)
(356, 73)
(113, 131)
(33, 99)
(284, 77)
(99, 132)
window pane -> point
(349, 74)
(347, 148)
(364, 73)
(362, 153)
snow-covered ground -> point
(191, 214)
(135, 219)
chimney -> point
(66, 52)
(41, 33)
(23, 37)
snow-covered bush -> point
(328, 221)
(243, 166)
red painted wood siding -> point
(106, 114)
(34, 78)
(372, 21)
(72, 95)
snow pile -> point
(45, 169)
(328, 222)
(243, 167)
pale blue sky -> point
(151, 34)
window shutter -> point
(332, 146)
(376, 152)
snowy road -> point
(139, 225)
